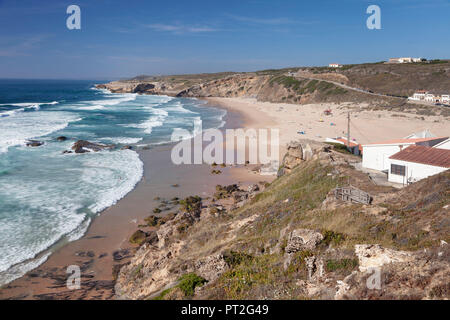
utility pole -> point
(348, 130)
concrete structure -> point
(421, 134)
(417, 162)
(445, 98)
(376, 155)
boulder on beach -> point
(138, 237)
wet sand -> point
(109, 232)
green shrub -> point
(189, 282)
(342, 264)
(332, 237)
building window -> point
(398, 170)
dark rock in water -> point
(34, 143)
(127, 148)
(61, 138)
(82, 146)
(67, 151)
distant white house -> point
(417, 162)
(419, 95)
(406, 60)
(376, 155)
(335, 65)
(429, 97)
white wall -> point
(415, 171)
(443, 145)
(377, 156)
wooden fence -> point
(352, 194)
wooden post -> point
(348, 130)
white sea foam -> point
(118, 98)
(178, 107)
(156, 120)
(21, 269)
(122, 140)
(79, 231)
(24, 105)
(94, 107)
(120, 172)
(100, 179)
(16, 130)
(29, 104)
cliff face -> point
(263, 87)
(293, 240)
(135, 87)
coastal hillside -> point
(375, 83)
(394, 79)
(293, 239)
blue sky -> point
(126, 38)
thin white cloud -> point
(144, 59)
(266, 21)
(22, 47)
(180, 29)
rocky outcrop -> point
(82, 146)
(211, 267)
(34, 143)
(302, 239)
(298, 152)
(140, 87)
(375, 256)
(398, 275)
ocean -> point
(48, 197)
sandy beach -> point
(366, 126)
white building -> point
(429, 97)
(419, 95)
(335, 65)
(405, 60)
(376, 155)
(417, 162)
(445, 98)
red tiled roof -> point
(405, 141)
(352, 144)
(425, 155)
